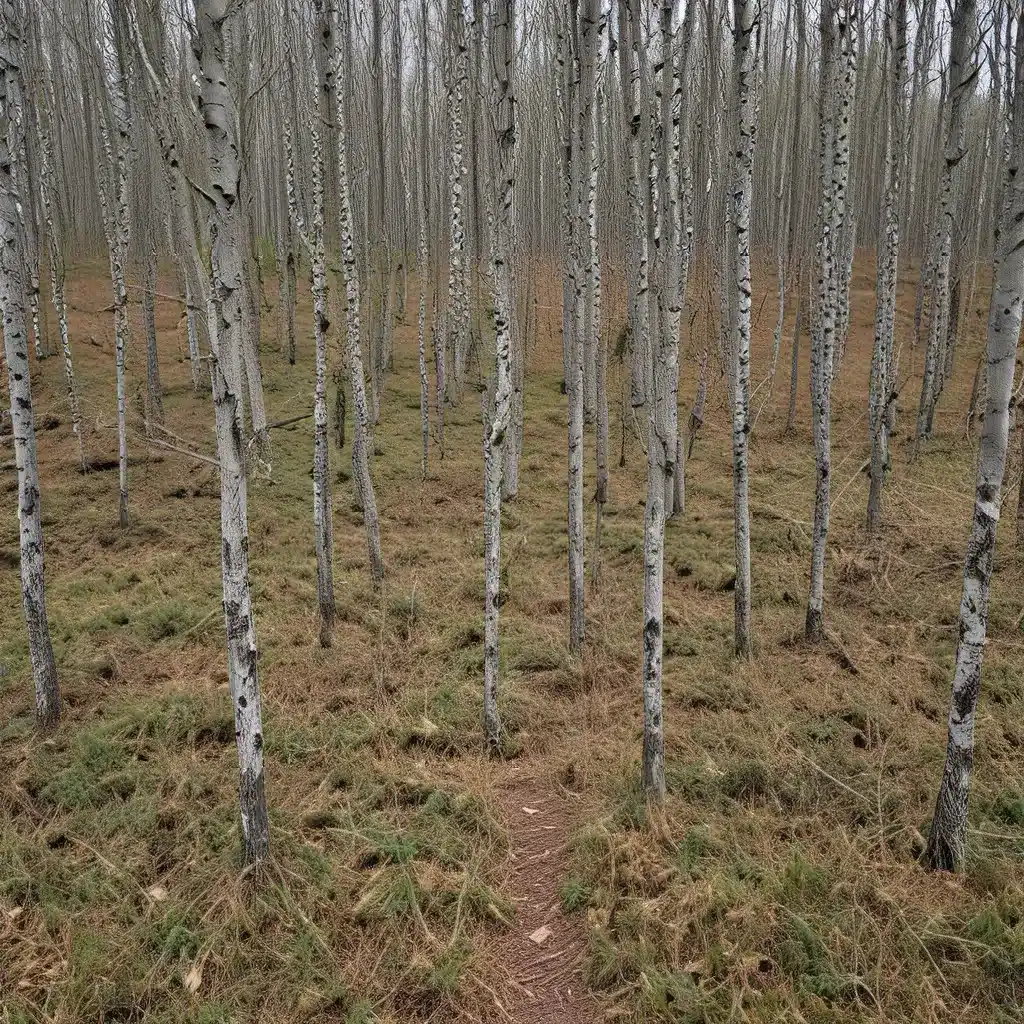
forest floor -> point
(778, 882)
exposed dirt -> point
(543, 952)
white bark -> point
(661, 444)
(458, 271)
(56, 271)
(422, 251)
(882, 382)
(746, 39)
(117, 153)
(217, 106)
(963, 77)
(33, 591)
(581, 99)
(360, 443)
(839, 71)
(323, 524)
(503, 107)
(641, 371)
(948, 837)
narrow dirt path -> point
(543, 951)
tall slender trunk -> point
(838, 76)
(882, 381)
(963, 77)
(117, 155)
(661, 448)
(641, 371)
(948, 837)
(503, 100)
(315, 242)
(55, 265)
(30, 529)
(746, 40)
(586, 27)
(458, 319)
(423, 218)
(227, 236)
(360, 443)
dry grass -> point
(780, 880)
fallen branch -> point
(289, 422)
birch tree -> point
(350, 271)
(116, 132)
(217, 106)
(503, 102)
(422, 249)
(838, 81)
(12, 306)
(313, 240)
(661, 450)
(585, 28)
(746, 38)
(882, 382)
(963, 77)
(947, 839)
(638, 282)
(458, 312)
(55, 254)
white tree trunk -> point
(422, 251)
(503, 107)
(641, 370)
(963, 77)
(746, 41)
(882, 381)
(839, 72)
(360, 443)
(118, 158)
(458, 273)
(30, 529)
(948, 837)
(217, 106)
(56, 270)
(323, 523)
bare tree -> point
(838, 81)
(116, 133)
(423, 219)
(313, 239)
(882, 382)
(55, 252)
(350, 270)
(12, 306)
(963, 77)
(947, 840)
(217, 106)
(504, 121)
(746, 39)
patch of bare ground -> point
(543, 952)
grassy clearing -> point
(780, 880)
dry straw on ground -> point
(778, 883)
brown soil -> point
(546, 972)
